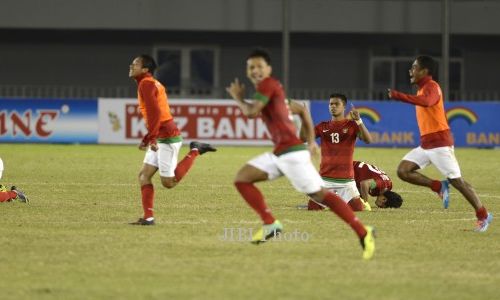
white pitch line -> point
(247, 222)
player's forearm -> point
(364, 187)
(307, 130)
(364, 134)
(246, 108)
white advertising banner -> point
(219, 122)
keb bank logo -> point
(241, 234)
(369, 113)
(461, 113)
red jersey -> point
(277, 117)
(337, 148)
(365, 171)
(431, 116)
(153, 103)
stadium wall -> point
(118, 121)
(376, 16)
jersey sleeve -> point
(428, 97)
(265, 91)
(149, 94)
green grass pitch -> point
(73, 241)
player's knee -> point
(318, 196)
(459, 183)
(143, 178)
(402, 174)
(169, 182)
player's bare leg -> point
(467, 191)
(168, 182)
(483, 217)
(407, 171)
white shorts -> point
(443, 158)
(345, 190)
(165, 158)
(1, 168)
(295, 165)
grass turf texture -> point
(72, 241)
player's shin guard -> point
(339, 207)
(255, 199)
(148, 194)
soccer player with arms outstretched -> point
(436, 141)
(163, 139)
(290, 157)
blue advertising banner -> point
(393, 124)
(48, 120)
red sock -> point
(185, 164)
(481, 213)
(338, 206)
(148, 194)
(436, 186)
(4, 196)
(254, 198)
(356, 204)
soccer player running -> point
(436, 141)
(338, 137)
(163, 139)
(290, 157)
(370, 180)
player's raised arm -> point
(307, 128)
(249, 109)
(364, 133)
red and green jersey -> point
(365, 171)
(337, 148)
(277, 117)
(153, 103)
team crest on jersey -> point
(344, 130)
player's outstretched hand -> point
(236, 90)
(389, 93)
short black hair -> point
(394, 200)
(340, 96)
(148, 62)
(260, 52)
(427, 62)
